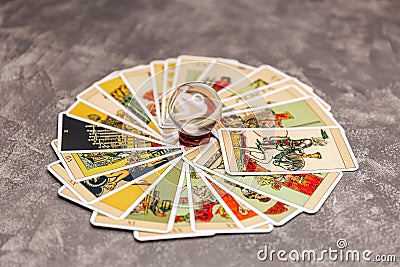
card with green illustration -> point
(155, 212)
(116, 205)
(84, 166)
(262, 151)
(301, 112)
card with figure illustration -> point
(155, 212)
(84, 166)
(95, 98)
(140, 83)
(301, 112)
(210, 161)
(102, 186)
(118, 92)
(260, 77)
(116, 205)
(286, 150)
(76, 136)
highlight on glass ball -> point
(195, 109)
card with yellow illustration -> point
(102, 186)
(118, 92)
(120, 202)
(84, 166)
(97, 99)
(155, 211)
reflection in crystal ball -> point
(195, 108)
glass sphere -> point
(195, 108)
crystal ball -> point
(195, 108)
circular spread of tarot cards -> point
(196, 146)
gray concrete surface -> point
(51, 50)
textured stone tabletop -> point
(349, 51)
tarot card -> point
(84, 166)
(307, 191)
(118, 92)
(157, 74)
(118, 204)
(77, 136)
(84, 112)
(309, 88)
(206, 211)
(140, 83)
(247, 216)
(223, 73)
(94, 98)
(181, 227)
(275, 212)
(260, 77)
(210, 161)
(283, 94)
(102, 186)
(208, 214)
(300, 112)
(155, 212)
(169, 73)
(286, 150)
(266, 90)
